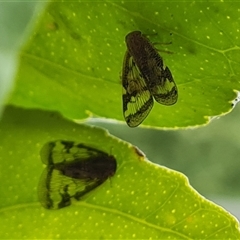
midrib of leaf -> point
(61, 67)
(142, 221)
(17, 207)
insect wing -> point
(143, 78)
(165, 89)
(72, 171)
(137, 99)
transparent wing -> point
(137, 99)
(164, 90)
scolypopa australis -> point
(73, 169)
(144, 78)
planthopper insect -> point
(73, 169)
(144, 78)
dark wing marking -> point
(137, 99)
(165, 90)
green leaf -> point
(142, 200)
(73, 61)
(71, 64)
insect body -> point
(73, 169)
(144, 77)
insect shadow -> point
(73, 169)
